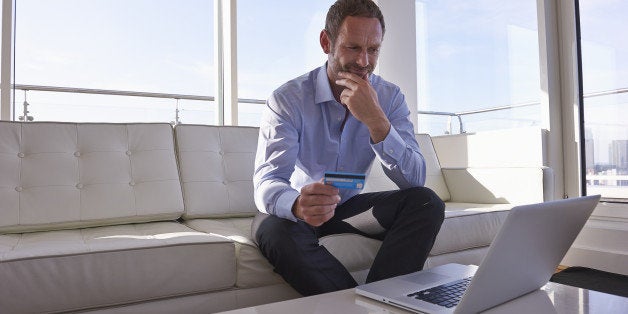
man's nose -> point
(363, 58)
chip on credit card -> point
(345, 180)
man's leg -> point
(413, 218)
(293, 249)
(409, 221)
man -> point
(341, 117)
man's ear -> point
(325, 42)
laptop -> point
(523, 256)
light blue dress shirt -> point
(301, 137)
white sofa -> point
(146, 218)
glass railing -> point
(453, 117)
(456, 118)
(70, 104)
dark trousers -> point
(409, 221)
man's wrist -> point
(380, 131)
(295, 208)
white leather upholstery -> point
(434, 177)
(378, 181)
(252, 268)
(66, 270)
(217, 170)
(68, 175)
(495, 185)
(105, 184)
(520, 147)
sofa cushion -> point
(378, 181)
(504, 148)
(355, 252)
(216, 166)
(68, 270)
(496, 185)
(434, 177)
(73, 175)
(253, 270)
(468, 226)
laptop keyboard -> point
(447, 295)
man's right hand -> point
(316, 204)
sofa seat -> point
(102, 266)
(469, 226)
(252, 268)
(466, 227)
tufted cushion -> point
(217, 170)
(72, 175)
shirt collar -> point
(322, 87)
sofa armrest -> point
(499, 185)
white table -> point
(551, 298)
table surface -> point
(551, 298)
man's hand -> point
(361, 99)
(316, 204)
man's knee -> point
(269, 229)
(427, 202)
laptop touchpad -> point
(425, 278)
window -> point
(277, 41)
(604, 54)
(140, 46)
(478, 65)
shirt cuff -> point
(391, 149)
(284, 203)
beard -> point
(352, 67)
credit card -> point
(345, 180)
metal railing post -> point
(25, 117)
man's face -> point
(356, 49)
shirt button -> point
(391, 151)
